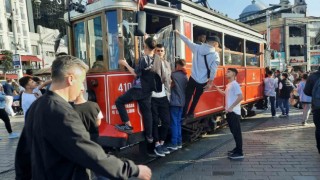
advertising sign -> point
(16, 58)
(315, 58)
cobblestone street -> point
(274, 148)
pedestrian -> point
(304, 99)
(269, 91)
(9, 90)
(177, 102)
(285, 89)
(233, 97)
(31, 92)
(204, 67)
(55, 143)
(90, 115)
(160, 103)
(141, 90)
(277, 78)
(4, 116)
(312, 88)
(201, 38)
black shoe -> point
(124, 128)
(236, 156)
(165, 149)
(159, 152)
(231, 152)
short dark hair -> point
(277, 71)
(62, 64)
(214, 39)
(269, 73)
(305, 76)
(36, 79)
(285, 75)
(233, 70)
(61, 54)
(151, 43)
(100, 58)
(159, 46)
(202, 33)
(24, 81)
(180, 62)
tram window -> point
(233, 50)
(80, 43)
(252, 54)
(95, 43)
(113, 45)
(128, 36)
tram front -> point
(105, 33)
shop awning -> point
(26, 58)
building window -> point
(9, 25)
(50, 54)
(35, 50)
(8, 6)
(1, 43)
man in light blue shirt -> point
(204, 67)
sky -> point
(234, 7)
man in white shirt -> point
(233, 98)
(31, 92)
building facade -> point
(292, 33)
(36, 49)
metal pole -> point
(268, 38)
(15, 43)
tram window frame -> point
(112, 40)
(128, 38)
(97, 39)
(231, 53)
(78, 51)
(252, 54)
(196, 29)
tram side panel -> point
(108, 87)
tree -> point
(7, 62)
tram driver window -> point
(128, 36)
(233, 54)
(95, 41)
(80, 43)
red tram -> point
(106, 32)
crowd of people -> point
(59, 139)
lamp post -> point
(15, 43)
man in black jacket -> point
(316, 111)
(285, 88)
(55, 144)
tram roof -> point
(182, 7)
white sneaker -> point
(12, 115)
(13, 135)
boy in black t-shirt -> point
(90, 115)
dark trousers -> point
(144, 101)
(160, 110)
(284, 105)
(5, 118)
(272, 100)
(265, 103)
(316, 120)
(193, 89)
(233, 120)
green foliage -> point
(7, 61)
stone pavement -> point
(274, 149)
(277, 149)
(8, 148)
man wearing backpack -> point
(204, 67)
(312, 89)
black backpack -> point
(316, 95)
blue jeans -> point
(284, 105)
(176, 113)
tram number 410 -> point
(124, 87)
